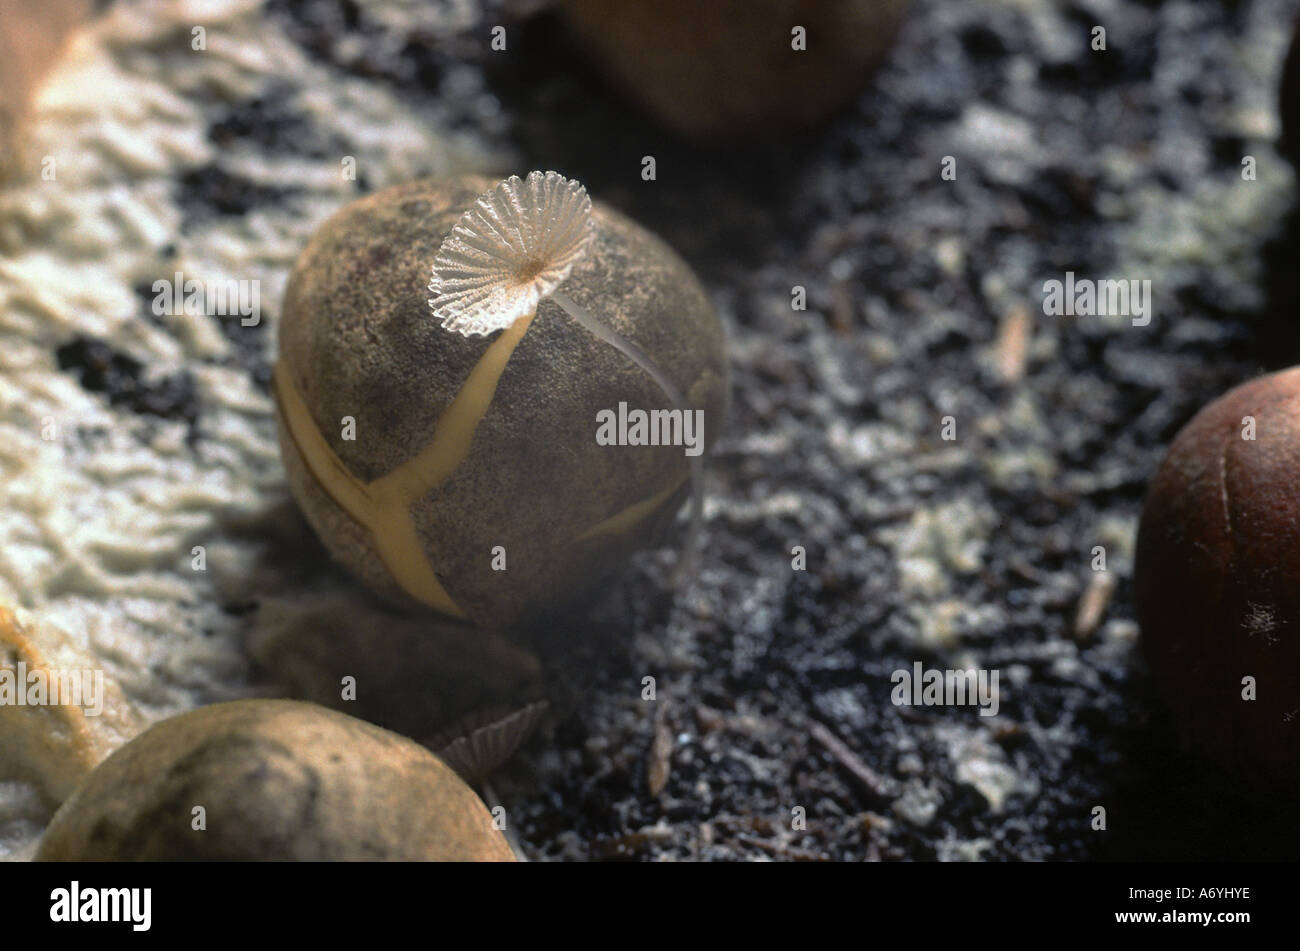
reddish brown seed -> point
(1218, 580)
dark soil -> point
(834, 438)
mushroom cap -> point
(1217, 580)
(516, 244)
(358, 339)
(279, 780)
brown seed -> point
(473, 453)
(729, 67)
(1218, 580)
(278, 780)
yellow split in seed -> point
(348, 492)
(455, 429)
(620, 523)
(384, 507)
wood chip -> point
(659, 760)
(841, 308)
(710, 720)
(877, 784)
(1093, 604)
(783, 851)
(1013, 344)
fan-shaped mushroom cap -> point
(513, 247)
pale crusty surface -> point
(99, 520)
(278, 780)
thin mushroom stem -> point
(609, 335)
